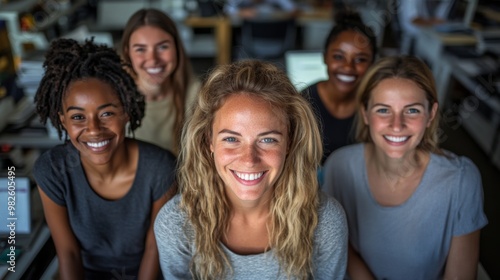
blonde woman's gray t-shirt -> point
(175, 240)
(411, 240)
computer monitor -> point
(459, 17)
(15, 205)
(463, 11)
(304, 67)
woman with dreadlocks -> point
(100, 191)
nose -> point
(250, 155)
(151, 55)
(94, 126)
(348, 65)
(398, 122)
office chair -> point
(267, 38)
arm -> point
(463, 257)
(175, 239)
(356, 267)
(331, 236)
(150, 265)
(67, 247)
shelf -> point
(12, 13)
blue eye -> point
(163, 47)
(382, 111)
(139, 49)
(413, 111)
(269, 140)
(229, 139)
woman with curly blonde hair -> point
(249, 205)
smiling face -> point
(397, 115)
(347, 58)
(249, 143)
(153, 55)
(94, 119)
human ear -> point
(62, 119)
(434, 111)
(364, 115)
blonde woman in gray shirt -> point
(249, 205)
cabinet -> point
(43, 15)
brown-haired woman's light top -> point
(414, 211)
(249, 206)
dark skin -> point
(95, 122)
(347, 61)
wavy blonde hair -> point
(404, 67)
(294, 206)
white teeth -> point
(154, 70)
(249, 176)
(346, 78)
(98, 144)
(396, 139)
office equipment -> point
(488, 40)
(305, 67)
(459, 17)
(21, 213)
(267, 38)
(42, 16)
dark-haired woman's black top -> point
(335, 132)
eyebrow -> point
(409, 105)
(260, 134)
(98, 108)
(159, 43)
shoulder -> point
(348, 154)
(154, 154)
(194, 83)
(452, 163)
(193, 87)
(329, 206)
(192, 91)
(58, 158)
(458, 174)
(170, 218)
(310, 90)
(331, 215)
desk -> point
(430, 44)
(484, 128)
(222, 26)
(223, 36)
(36, 142)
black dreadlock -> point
(68, 61)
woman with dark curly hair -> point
(100, 190)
